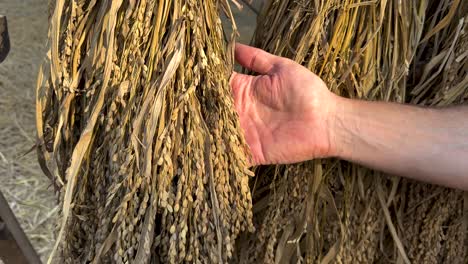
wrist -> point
(338, 127)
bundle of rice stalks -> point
(436, 219)
(333, 211)
(137, 129)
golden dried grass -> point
(137, 129)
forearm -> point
(425, 144)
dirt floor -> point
(21, 180)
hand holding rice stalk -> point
(138, 130)
(335, 211)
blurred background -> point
(26, 188)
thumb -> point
(254, 59)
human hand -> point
(286, 112)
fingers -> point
(240, 82)
(240, 88)
(255, 59)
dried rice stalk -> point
(137, 128)
(439, 77)
(348, 214)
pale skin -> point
(288, 115)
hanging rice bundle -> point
(326, 211)
(137, 129)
